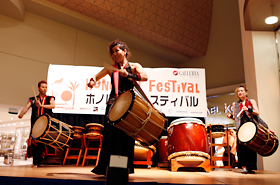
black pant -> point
(37, 153)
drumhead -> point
(185, 120)
(40, 126)
(246, 132)
(120, 106)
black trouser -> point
(37, 153)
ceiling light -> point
(271, 20)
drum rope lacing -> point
(55, 141)
(266, 140)
(137, 130)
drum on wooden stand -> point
(188, 141)
(217, 130)
(162, 149)
(78, 131)
(94, 129)
(258, 138)
(137, 118)
(52, 132)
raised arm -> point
(99, 75)
(24, 110)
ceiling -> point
(9, 122)
(255, 12)
(182, 26)
(172, 30)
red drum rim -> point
(189, 154)
(94, 124)
(78, 127)
(185, 120)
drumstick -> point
(34, 93)
(238, 115)
(105, 64)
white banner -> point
(175, 92)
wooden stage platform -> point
(70, 174)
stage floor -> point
(143, 175)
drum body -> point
(137, 118)
(258, 138)
(188, 141)
(140, 151)
(162, 149)
(217, 130)
(94, 129)
(52, 132)
(78, 131)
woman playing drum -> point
(243, 111)
(115, 141)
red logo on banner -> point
(175, 73)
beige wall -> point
(27, 48)
(268, 88)
(224, 59)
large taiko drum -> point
(162, 149)
(258, 138)
(137, 118)
(52, 132)
(188, 141)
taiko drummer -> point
(41, 104)
(244, 110)
(122, 72)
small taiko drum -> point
(137, 118)
(258, 138)
(78, 131)
(162, 149)
(94, 129)
(140, 151)
(217, 130)
(188, 141)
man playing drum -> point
(42, 104)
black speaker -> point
(117, 171)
